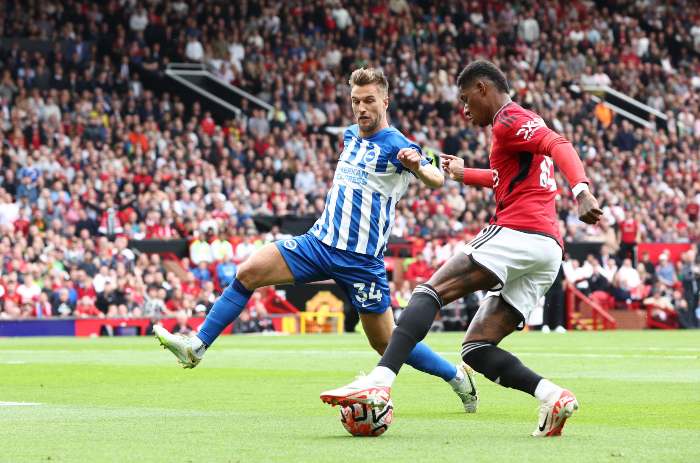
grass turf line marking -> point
(18, 404)
(83, 353)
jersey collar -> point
(499, 111)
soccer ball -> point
(364, 420)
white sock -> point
(457, 380)
(546, 389)
(382, 376)
(198, 346)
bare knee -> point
(494, 320)
(250, 275)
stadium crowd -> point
(90, 157)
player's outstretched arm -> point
(428, 173)
(454, 168)
(567, 160)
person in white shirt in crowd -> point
(244, 249)
(627, 281)
(194, 51)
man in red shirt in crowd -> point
(419, 270)
(630, 235)
(516, 258)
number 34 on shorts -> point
(367, 296)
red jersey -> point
(524, 184)
(628, 231)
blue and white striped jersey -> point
(369, 180)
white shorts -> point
(526, 264)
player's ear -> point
(482, 86)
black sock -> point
(500, 366)
(413, 325)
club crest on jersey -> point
(369, 156)
(530, 127)
(290, 244)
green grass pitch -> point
(256, 399)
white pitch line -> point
(17, 404)
(531, 354)
(85, 355)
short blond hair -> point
(369, 76)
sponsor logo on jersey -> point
(528, 129)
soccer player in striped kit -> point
(347, 242)
(516, 258)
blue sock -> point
(225, 310)
(424, 359)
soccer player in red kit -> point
(516, 258)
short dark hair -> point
(483, 69)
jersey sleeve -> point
(403, 142)
(528, 133)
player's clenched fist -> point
(588, 209)
(410, 158)
(452, 166)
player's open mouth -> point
(363, 118)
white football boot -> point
(466, 389)
(554, 413)
(179, 345)
(361, 391)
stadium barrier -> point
(88, 326)
(656, 249)
(321, 321)
(212, 91)
(584, 313)
(625, 105)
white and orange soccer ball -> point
(366, 421)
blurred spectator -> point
(194, 50)
(42, 306)
(181, 324)
(576, 274)
(628, 284)
(154, 305)
(221, 249)
(201, 272)
(254, 318)
(690, 279)
(601, 278)
(400, 298)
(61, 304)
(665, 270)
(226, 272)
(649, 269)
(244, 249)
(86, 308)
(200, 250)
(630, 234)
(661, 305)
(419, 270)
